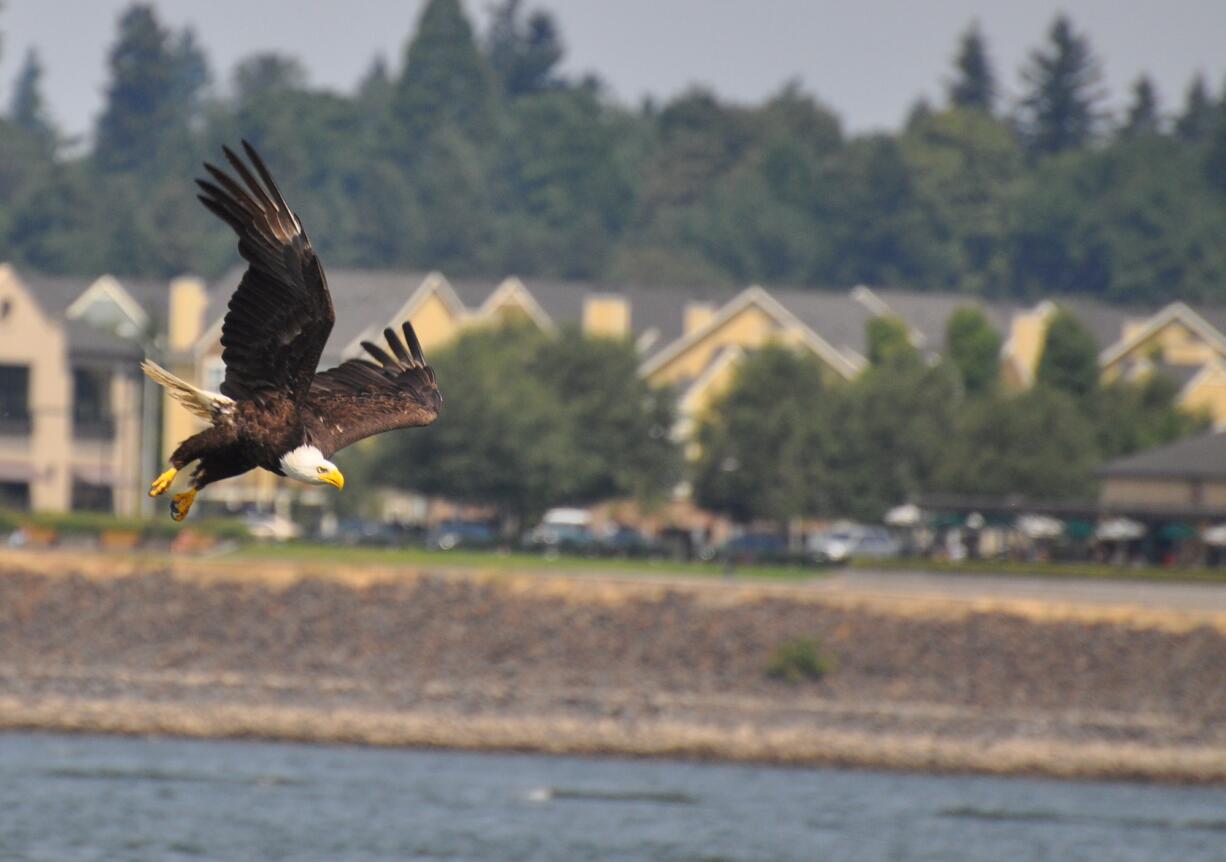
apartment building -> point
(73, 412)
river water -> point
(68, 798)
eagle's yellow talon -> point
(181, 504)
(162, 483)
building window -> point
(14, 400)
(15, 495)
(88, 497)
(91, 404)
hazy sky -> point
(868, 59)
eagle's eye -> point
(321, 469)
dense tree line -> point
(475, 154)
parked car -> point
(755, 548)
(620, 541)
(369, 533)
(449, 535)
(850, 541)
(561, 538)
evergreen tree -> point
(28, 111)
(191, 77)
(1060, 108)
(1069, 362)
(975, 84)
(973, 345)
(1197, 117)
(375, 88)
(263, 75)
(1215, 157)
(523, 54)
(1143, 114)
(445, 82)
(140, 100)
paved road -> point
(1148, 594)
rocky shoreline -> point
(603, 666)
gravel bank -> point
(577, 665)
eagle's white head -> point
(308, 464)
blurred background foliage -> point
(475, 155)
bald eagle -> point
(274, 410)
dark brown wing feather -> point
(360, 398)
(281, 315)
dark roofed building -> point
(1186, 477)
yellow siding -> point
(1027, 334)
(1174, 343)
(435, 322)
(751, 327)
(698, 398)
(697, 315)
(507, 313)
(606, 317)
(30, 339)
(188, 302)
(1208, 393)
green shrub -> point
(799, 660)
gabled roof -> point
(1202, 457)
(512, 290)
(835, 316)
(1176, 311)
(845, 364)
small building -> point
(1186, 479)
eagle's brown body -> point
(272, 401)
(256, 434)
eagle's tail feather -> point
(206, 405)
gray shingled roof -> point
(834, 315)
(1201, 457)
(1105, 322)
(54, 293)
(1214, 315)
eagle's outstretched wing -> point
(359, 398)
(280, 317)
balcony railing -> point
(16, 425)
(93, 427)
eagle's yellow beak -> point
(334, 478)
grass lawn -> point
(515, 561)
